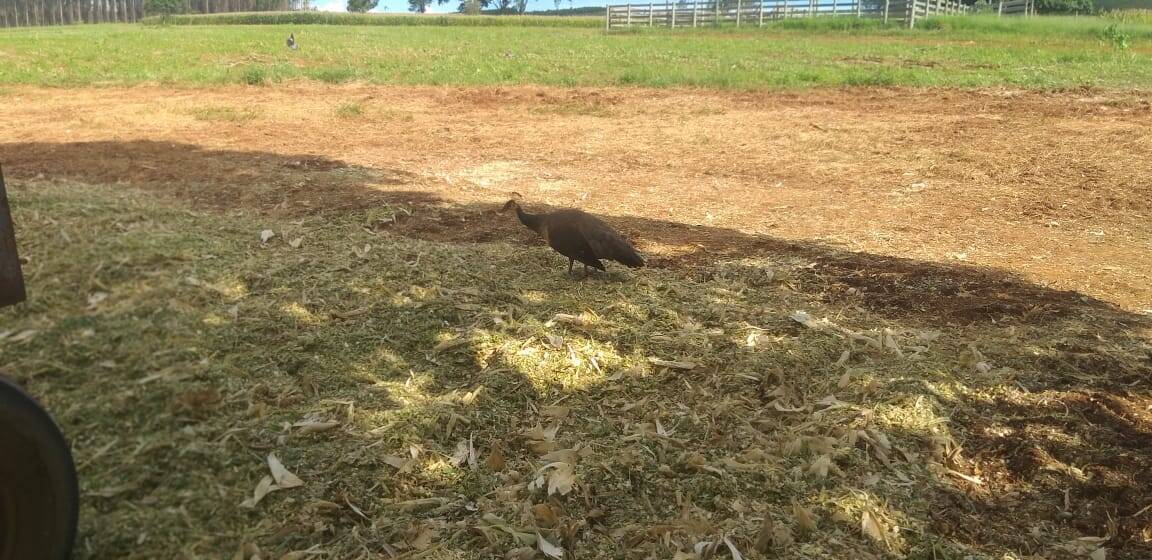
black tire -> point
(39, 497)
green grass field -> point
(959, 52)
(438, 400)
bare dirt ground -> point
(1053, 187)
(937, 206)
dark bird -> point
(291, 41)
(579, 236)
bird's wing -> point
(568, 239)
(607, 243)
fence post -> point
(607, 18)
(859, 3)
(651, 15)
(834, 8)
(760, 14)
(694, 6)
(671, 12)
(716, 13)
(912, 14)
(739, 10)
(628, 18)
(886, 11)
(785, 10)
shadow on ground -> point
(1073, 448)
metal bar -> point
(11, 278)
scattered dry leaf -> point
(805, 521)
(301, 554)
(540, 434)
(821, 466)
(423, 538)
(495, 459)
(805, 319)
(544, 515)
(21, 336)
(732, 549)
(96, 298)
(873, 527)
(764, 535)
(562, 478)
(461, 453)
(314, 426)
(362, 252)
(522, 553)
(672, 364)
(578, 320)
(550, 550)
(283, 477)
(449, 344)
(247, 551)
(263, 487)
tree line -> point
(16, 13)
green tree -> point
(163, 7)
(361, 6)
(421, 6)
(1064, 6)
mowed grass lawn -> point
(973, 52)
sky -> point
(402, 5)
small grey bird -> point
(291, 41)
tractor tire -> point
(39, 495)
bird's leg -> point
(570, 262)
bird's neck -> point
(533, 221)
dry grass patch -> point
(325, 387)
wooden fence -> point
(1015, 7)
(755, 12)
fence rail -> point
(755, 12)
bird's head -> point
(512, 204)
